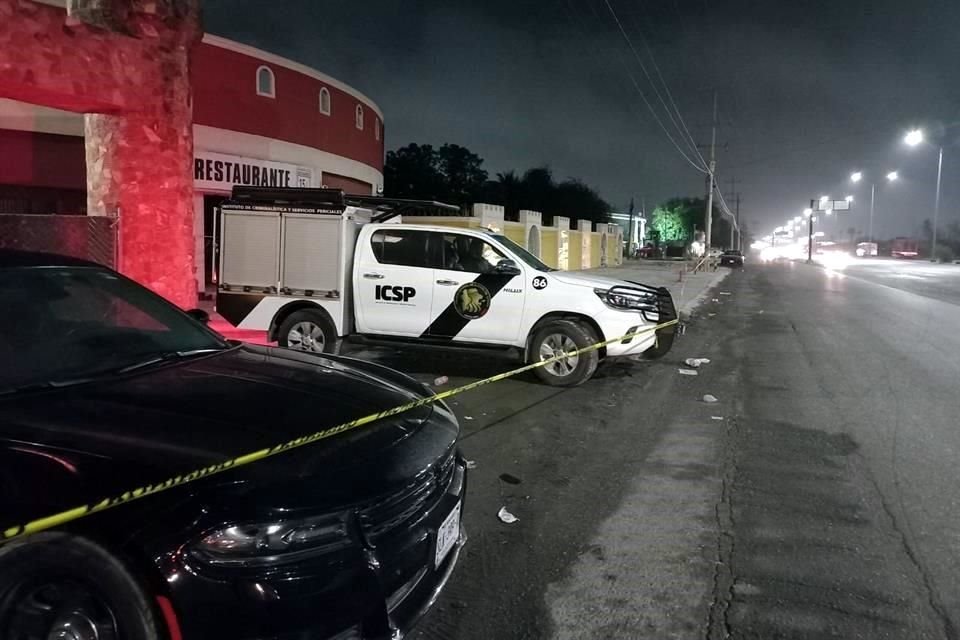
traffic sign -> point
(831, 205)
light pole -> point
(913, 139)
(856, 177)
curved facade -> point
(253, 104)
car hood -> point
(116, 434)
(592, 281)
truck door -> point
(394, 283)
(472, 301)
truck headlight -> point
(271, 543)
(627, 300)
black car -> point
(731, 258)
(106, 387)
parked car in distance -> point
(731, 258)
(107, 387)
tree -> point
(462, 174)
(454, 174)
(675, 220)
(413, 171)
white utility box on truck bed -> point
(313, 267)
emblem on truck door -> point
(472, 301)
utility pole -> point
(630, 232)
(711, 178)
(739, 230)
(810, 233)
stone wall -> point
(129, 71)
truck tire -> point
(308, 330)
(559, 336)
(60, 586)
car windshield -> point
(530, 259)
(68, 324)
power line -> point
(688, 139)
(636, 85)
(666, 87)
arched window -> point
(325, 101)
(266, 85)
(359, 117)
(376, 128)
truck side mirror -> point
(508, 267)
(199, 315)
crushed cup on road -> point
(708, 398)
(506, 517)
(696, 362)
(716, 417)
(725, 293)
(687, 372)
(471, 464)
(442, 380)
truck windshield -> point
(521, 253)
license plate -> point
(447, 535)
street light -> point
(913, 139)
(824, 199)
(893, 175)
(808, 212)
(856, 176)
(849, 198)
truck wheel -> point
(308, 330)
(556, 338)
(58, 586)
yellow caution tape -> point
(49, 522)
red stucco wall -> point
(224, 87)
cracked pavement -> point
(824, 503)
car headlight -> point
(622, 299)
(272, 543)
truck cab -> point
(350, 271)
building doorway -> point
(211, 254)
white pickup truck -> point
(313, 267)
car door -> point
(394, 283)
(472, 301)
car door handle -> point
(448, 283)
(373, 276)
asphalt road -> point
(818, 498)
(937, 281)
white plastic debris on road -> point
(710, 398)
(716, 299)
(471, 464)
(442, 380)
(696, 362)
(725, 293)
(687, 372)
(506, 517)
(468, 417)
(716, 417)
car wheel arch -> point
(564, 315)
(289, 309)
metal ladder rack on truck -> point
(315, 267)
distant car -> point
(731, 258)
(107, 387)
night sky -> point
(808, 90)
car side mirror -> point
(199, 315)
(508, 268)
